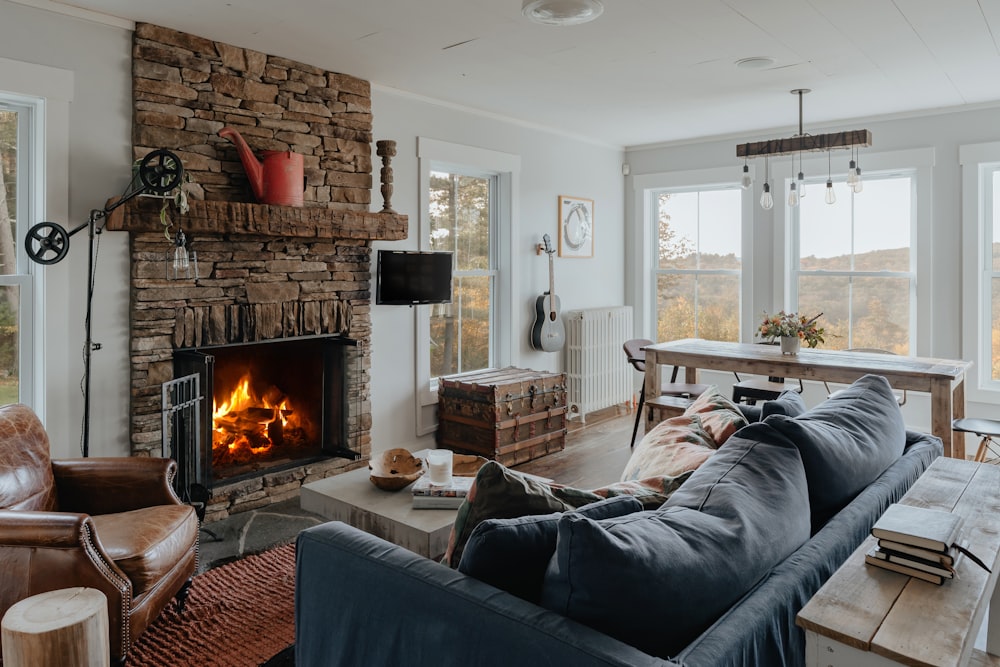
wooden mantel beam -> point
(805, 143)
(142, 214)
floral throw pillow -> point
(718, 416)
(671, 448)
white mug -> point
(439, 463)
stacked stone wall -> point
(187, 88)
(251, 286)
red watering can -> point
(276, 180)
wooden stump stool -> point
(65, 628)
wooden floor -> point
(595, 453)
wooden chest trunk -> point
(509, 414)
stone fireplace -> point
(290, 286)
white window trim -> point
(643, 237)
(974, 160)
(507, 167)
(920, 162)
(49, 91)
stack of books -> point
(440, 496)
(918, 542)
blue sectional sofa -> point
(714, 577)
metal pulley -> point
(159, 172)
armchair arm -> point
(42, 529)
(114, 484)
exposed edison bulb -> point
(852, 173)
(801, 178)
(857, 185)
(747, 180)
(766, 200)
(831, 198)
(793, 196)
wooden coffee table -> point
(353, 499)
(867, 616)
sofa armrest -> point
(360, 600)
(61, 530)
(114, 484)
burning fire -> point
(247, 425)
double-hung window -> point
(854, 261)
(463, 222)
(981, 272)
(17, 153)
(467, 207)
(697, 262)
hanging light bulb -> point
(801, 178)
(180, 262)
(852, 173)
(793, 196)
(747, 181)
(857, 186)
(766, 200)
(831, 198)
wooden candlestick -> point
(386, 149)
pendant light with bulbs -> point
(853, 140)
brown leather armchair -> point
(114, 524)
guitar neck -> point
(552, 289)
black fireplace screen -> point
(267, 406)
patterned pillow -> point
(719, 416)
(674, 446)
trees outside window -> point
(461, 222)
(854, 262)
(11, 120)
(698, 267)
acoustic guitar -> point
(548, 333)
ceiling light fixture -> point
(852, 139)
(561, 12)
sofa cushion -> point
(147, 543)
(657, 579)
(845, 442)
(500, 493)
(789, 403)
(512, 554)
(672, 447)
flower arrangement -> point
(792, 324)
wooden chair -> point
(637, 357)
(751, 390)
(900, 395)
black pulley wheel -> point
(47, 243)
(160, 171)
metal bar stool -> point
(986, 429)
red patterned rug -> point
(237, 615)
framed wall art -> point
(576, 227)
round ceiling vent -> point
(562, 12)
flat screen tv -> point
(411, 277)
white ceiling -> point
(646, 71)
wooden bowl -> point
(467, 465)
(395, 469)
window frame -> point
(658, 271)
(978, 162)
(645, 235)
(432, 155)
(918, 164)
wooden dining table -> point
(943, 379)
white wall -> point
(944, 133)
(99, 165)
(551, 165)
(100, 160)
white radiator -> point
(598, 374)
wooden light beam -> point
(805, 143)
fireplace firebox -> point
(268, 406)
